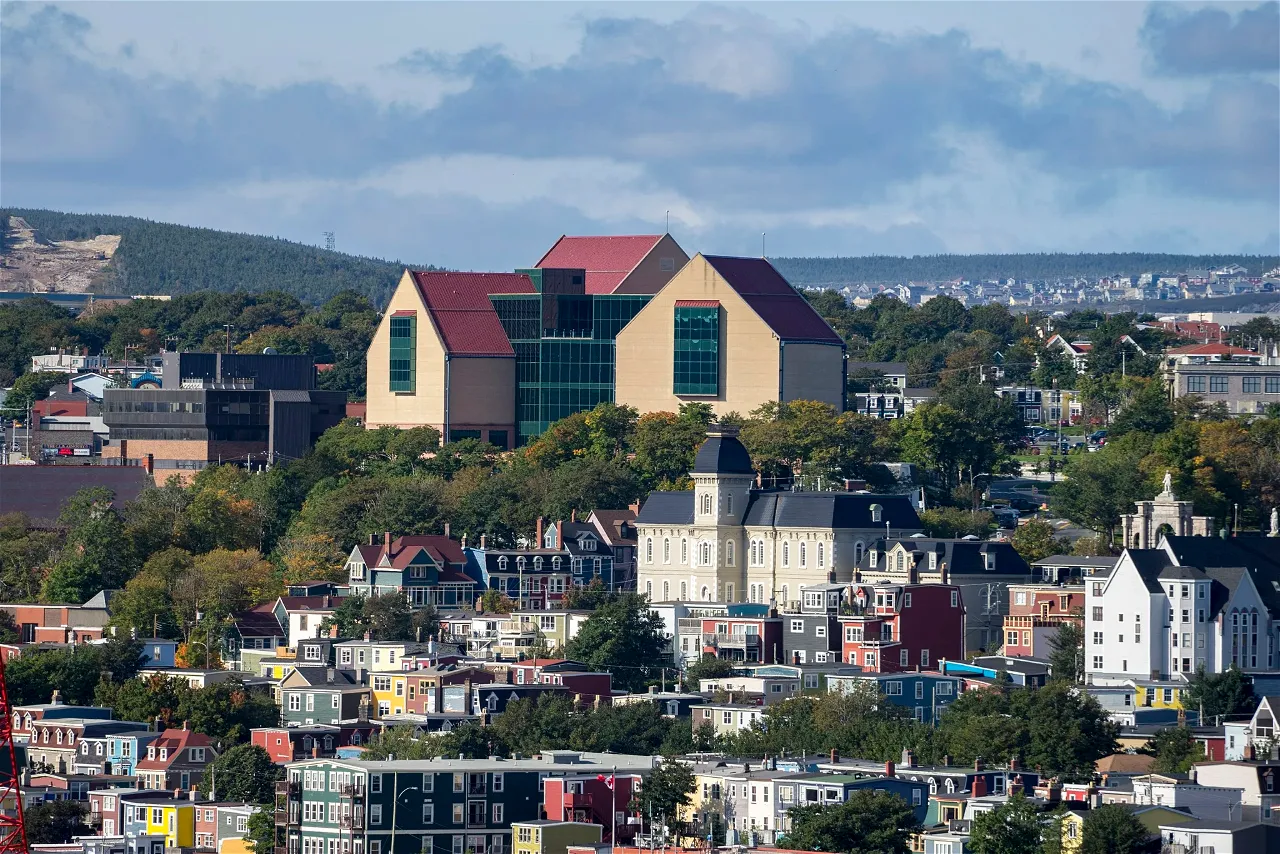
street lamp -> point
(395, 802)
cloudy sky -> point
(472, 135)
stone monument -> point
(1164, 514)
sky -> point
(472, 135)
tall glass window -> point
(404, 338)
(697, 350)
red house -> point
(1036, 612)
(594, 798)
(290, 744)
(901, 627)
(739, 637)
(572, 675)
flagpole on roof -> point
(613, 813)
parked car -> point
(1098, 437)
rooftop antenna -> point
(762, 253)
(668, 231)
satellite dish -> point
(268, 351)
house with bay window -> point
(428, 570)
(1193, 602)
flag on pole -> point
(608, 781)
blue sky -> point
(472, 135)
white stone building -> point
(728, 541)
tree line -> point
(161, 258)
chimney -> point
(315, 752)
(447, 530)
(1015, 785)
(149, 463)
(573, 515)
(559, 535)
(538, 532)
(835, 755)
(56, 699)
(888, 768)
(908, 758)
(195, 795)
(1013, 764)
(386, 541)
(71, 386)
(979, 786)
(977, 764)
(372, 538)
(368, 636)
(326, 600)
(328, 676)
(634, 508)
(464, 541)
(177, 794)
(185, 725)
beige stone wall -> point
(425, 406)
(482, 394)
(748, 348)
(648, 277)
(813, 372)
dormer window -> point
(502, 564)
(990, 558)
(874, 559)
(164, 754)
(151, 753)
(537, 564)
(877, 512)
(587, 544)
(555, 563)
(520, 564)
(933, 561)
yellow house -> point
(552, 837)
(388, 693)
(730, 332)
(175, 821)
(1159, 695)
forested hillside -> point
(1051, 266)
(159, 258)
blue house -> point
(158, 652)
(428, 570)
(124, 749)
(566, 554)
(925, 695)
(1030, 672)
(829, 789)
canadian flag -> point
(608, 781)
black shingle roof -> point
(830, 510)
(1150, 563)
(724, 455)
(961, 557)
(667, 508)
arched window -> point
(666, 550)
(786, 554)
(858, 550)
(822, 558)
(706, 503)
(684, 591)
(933, 786)
(951, 786)
(666, 591)
(648, 590)
(502, 564)
(728, 552)
(803, 561)
(59, 736)
(684, 552)
(728, 504)
(648, 549)
(785, 596)
(555, 563)
(901, 562)
(704, 554)
(537, 564)
(706, 594)
(520, 564)
(876, 513)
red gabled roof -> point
(460, 309)
(607, 260)
(176, 740)
(770, 296)
(1210, 350)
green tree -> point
(1015, 827)
(1112, 829)
(96, 555)
(666, 442)
(1066, 655)
(262, 830)
(402, 742)
(1225, 694)
(226, 711)
(954, 522)
(29, 388)
(1035, 541)
(25, 555)
(534, 724)
(1147, 411)
(8, 628)
(623, 637)
(1175, 750)
(668, 789)
(869, 822)
(74, 672)
(244, 772)
(1101, 487)
(707, 667)
(56, 822)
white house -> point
(1157, 617)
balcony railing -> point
(730, 641)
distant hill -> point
(159, 258)
(836, 272)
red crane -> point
(13, 828)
